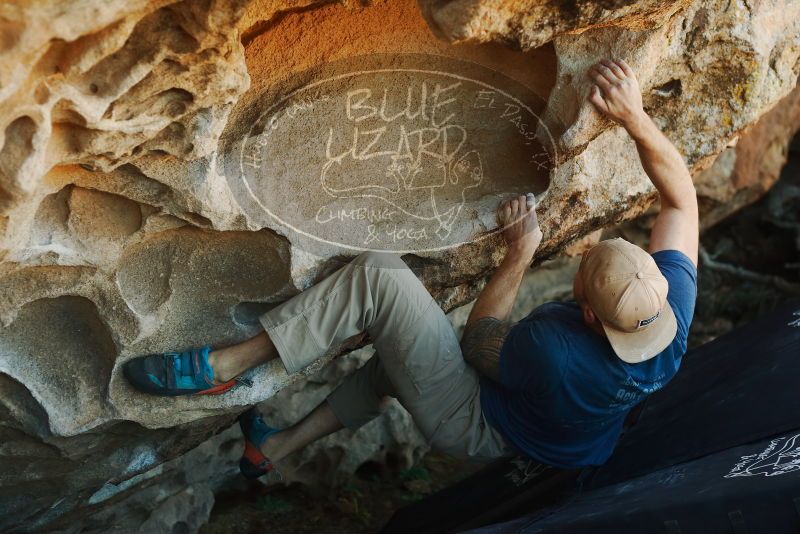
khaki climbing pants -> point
(417, 355)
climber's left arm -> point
(486, 326)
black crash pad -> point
(741, 387)
(752, 488)
(504, 489)
(675, 469)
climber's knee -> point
(385, 260)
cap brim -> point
(635, 347)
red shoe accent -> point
(253, 455)
(217, 390)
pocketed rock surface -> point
(171, 170)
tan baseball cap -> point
(628, 294)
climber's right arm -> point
(676, 226)
(617, 95)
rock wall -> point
(169, 170)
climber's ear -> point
(588, 314)
(580, 297)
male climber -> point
(556, 386)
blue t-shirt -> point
(562, 393)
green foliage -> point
(274, 505)
(418, 472)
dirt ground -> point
(755, 266)
(364, 504)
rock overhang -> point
(389, 138)
(329, 129)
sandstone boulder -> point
(171, 169)
(529, 24)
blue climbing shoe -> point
(176, 373)
(253, 463)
